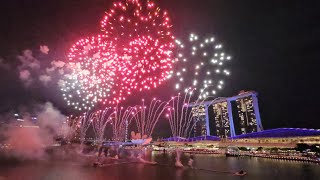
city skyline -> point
(273, 55)
(159, 89)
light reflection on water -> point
(263, 169)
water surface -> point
(262, 169)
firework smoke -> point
(29, 140)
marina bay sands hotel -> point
(227, 117)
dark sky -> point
(274, 44)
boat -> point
(240, 173)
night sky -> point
(274, 44)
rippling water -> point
(263, 169)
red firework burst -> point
(95, 67)
(143, 32)
(134, 53)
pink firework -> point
(143, 34)
(95, 64)
(134, 53)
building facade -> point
(199, 120)
(221, 120)
(247, 115)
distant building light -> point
(16, 114)
(20, 119)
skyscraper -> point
(199, 118)
(221, 119)
(248, 122)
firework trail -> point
(122, 118)
(84, 123)
(180, 116)
(147, 117)
(100, 121)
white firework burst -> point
(200, 66)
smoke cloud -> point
(61, 83)
(44, 49)
(28, 65)
(50, 117)
(58, 64)
(31, 71)
(45, 79)
(25, 77)
(28, 61)
(29, 140)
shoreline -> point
(266, 156)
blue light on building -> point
(248, 112)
